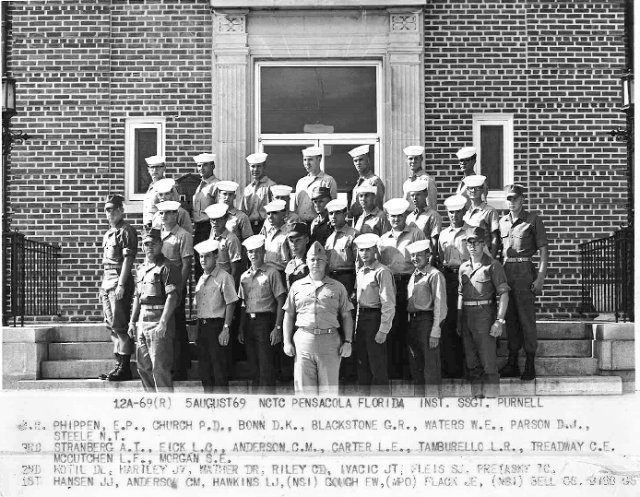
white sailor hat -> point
(365, 188)
(367, 240)
(455, 202)
(396, 206)
(337, 205)
(281, 190)
(209, 245)
(216, 211)
(156, 160)
(257, 158)
(275, 206)
(358, 151)
(413, 150)
(311, 152)
(227, 186)
(168, 205)
(466, 152)
(419, 246)
(204, 158)
(254, 242)
(474, 180)
(418, 185)
(164, 185)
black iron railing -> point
(607, 275)
(30, 286)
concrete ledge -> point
(31, 334)
(614, 331)
(615, 354)
(22, 361)
(595, 385)
(628, 379)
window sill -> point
(314, 4)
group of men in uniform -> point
(380, 282)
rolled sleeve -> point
(129, 242)
(234, 249)
(171, 278)
(344, 301)
(277, 287)
(541, 233)
(499, 278)
(227, 289)
(387, 300)
(439, 303)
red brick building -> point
(535, 84)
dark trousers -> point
(397, 342)
(371, 357)
(260, 352)
(521, 312)
(181, 353)
(212, 357)
(256, 226)
(451, 350)
(116, 316)
(480, 349)
(201, 232)
(423, 360)
(348, 367)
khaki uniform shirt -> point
(427, 291)
(483, 283)
(373, 222)
(255, 197)
(156, 280)
(393, 249)
(432, 191)
(149, 205)
(296, 270)
(214, 291)
(176, 245)
(276, 247)
(260, 288)
(428, 220)
(356, 209)
(522, 237)
(375, 289)
(453, 246)
(118, 242)
(184, 220)
(204, 196)
(238, 223)
(341, 250)
(304, 187)
(317, 304)
(230, 249)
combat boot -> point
(529, 368)
(123, 373)
(511, 368)
(105, 376)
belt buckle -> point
(252, 315)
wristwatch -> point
(278, 327)
(501, 321)
(225, 325)
(347, 341)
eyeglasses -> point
(474, 188)
(474, 242)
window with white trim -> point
(144, 137)
(493, 139)
(335, 105)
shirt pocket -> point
(111, 248)
(483, 284)
(521, 236)
(152, 286)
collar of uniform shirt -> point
(521, 216)
(263, 179)
(255, 271)
(392, 233)
(418, 272)
(341, 230)
(374, 265)
(173, 231)
(371, 213)
(222, 235)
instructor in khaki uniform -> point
(523, 234)
(120, 245)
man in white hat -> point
(481, 214)
(230, 251)
(177, 247)
(376, 297)
(373, 218)
(362, 163)
(340, 248)
(427, 309)
(152, 321)
(393, 254)
(204, 196)
(262, 294)
(313, 306)
(467, 157)
(414, 154)
(215, 300)
(166, 190)
(311, 159)
(453, 252)
(422, 216)
(257, 194)
(276, 247)
(237, 221)
(156, 168)
(283, 192)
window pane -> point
(492, 155)
(323, 99)
(284, 164)
(146, 145)
(339, 164)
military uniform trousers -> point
(201, 232)
(397, 348)
(424, 361)
(117, 312)
(371, 357)
(212, 357)
(181, 353)
(451, 350)
(317, 363)
(154, 354)
(480, 349)
(521, 312)
(260, 353)
(348, 367)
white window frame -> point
(320, 139)
(496, 198)
(131, 125)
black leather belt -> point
(343, 271)
(204, 321)
(367, 310)
(448, 269)
(256, 315)
(417, 314)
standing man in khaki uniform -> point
(204, 196)
(257, 193)
(120, 246)
(302, 204)
(415, 159)
(373, 218)
(362, 163)
(156, 168)
(481, 214)
(523, 234)
(237, 221)
(152, 320)
(422, 216)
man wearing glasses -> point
(481, 214)
(467, 161)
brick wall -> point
(555, 66)
(82, 68)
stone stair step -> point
(555, 348)
(80, 350)
(564, 330)
(556, 386)
(87, 332)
